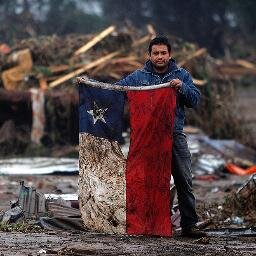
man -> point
(161, 68)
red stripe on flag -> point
(148, 170)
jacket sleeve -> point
(129, 80)
(189, 93)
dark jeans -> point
(181, 173)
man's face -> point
(160, 56)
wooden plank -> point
(95, 40)
(141, 41)
(58, 68)
(245, 63)
(151, 31)
(117, 61)
(123, 59)
(196, 54)
(199, 82)
(234, 71)
(83, 69)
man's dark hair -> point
(159, 40)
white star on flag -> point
(97, 113)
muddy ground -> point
(98, 244)
(210, 195)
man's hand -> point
(176, 83)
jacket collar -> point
(171, 66)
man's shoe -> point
(193, 232)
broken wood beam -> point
(199, 82)
(141, 41)
(124, 59)
(234, 70)
(151, 31)
(62, 68)
(196, 54)
(79, 71)
(95, 40)
(245, 64)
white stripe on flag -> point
(102, 184)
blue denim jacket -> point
(187, 96)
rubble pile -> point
(52, 50)
(108, 56)
(242, 202)
(49, 211)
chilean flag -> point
(119, 195)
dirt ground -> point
(210, 194)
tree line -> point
(219, 25)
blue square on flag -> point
(101, 112)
